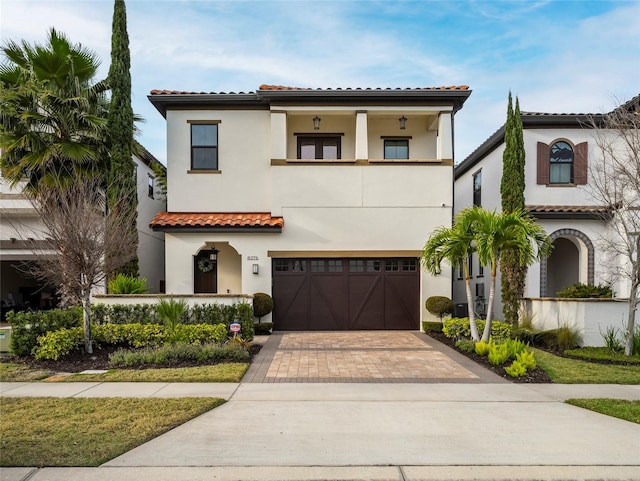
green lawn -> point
(10, 372)
(87, 432)
(627, 410)
(225, 372)
(573, 371)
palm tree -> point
(497, 233)
(454, 245)
(53, 120)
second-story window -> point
(204, 146)
(561, 163)
(477, 188)
(318, 147)
(151, 182)
(396, 148)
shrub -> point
(527, 359)
(635, 349)
(465, 345)
(263, 328)
(610, 338)
(516, 369)
(170, 312)
(581, 291)
(439, 306)
(457, 328)
(514, 347)
(176, 353)
(262, 305)
(429, 326)
(567, 337)
(238, 342)
(482, 348)
(124, 314)
(198, 314)
(498, 354)
(124, 284)
(56, 344)
(26, 327)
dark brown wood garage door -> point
(346, 294)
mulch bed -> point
(535, 376)
(78, 362)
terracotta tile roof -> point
(283, 87)
(215, 220)
(594, 209)
(265, 87)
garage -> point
(317, 294)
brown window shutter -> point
(543, 163)
(580, 164)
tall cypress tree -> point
(512, 193)
(122, 192)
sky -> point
(556, 56)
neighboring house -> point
(21, 232)
(558, 149)
(321, 198)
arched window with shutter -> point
(562, 164)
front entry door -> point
(205, 276)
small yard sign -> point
(235, 327)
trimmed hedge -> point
(459, 328)
(169, 354)
(55, 344)
(27, 327)
(431, 326)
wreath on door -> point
(205, 265)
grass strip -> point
(619, 408)
(87, 431)
(226, 372)
(573, 371)
(602, 354)
(10, 372)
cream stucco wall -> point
(348, 210)
(595, 230)
(243, 184)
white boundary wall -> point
(590, 317)
(192, 299)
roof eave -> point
(209, 229)
(163, 102)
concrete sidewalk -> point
(368, 431)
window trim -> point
(317, 138)
(216, 166)
(385, 139)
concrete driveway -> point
(362, 356)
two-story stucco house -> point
(321, 198)
(22, 233)
(559, 150)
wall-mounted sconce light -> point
(214, 253)
(316, 123)
(256, 268)
(403, 122)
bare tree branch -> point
(615, 182)
(86, 243)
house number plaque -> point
(252, 258)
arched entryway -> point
(217, 269)
(571, 261)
